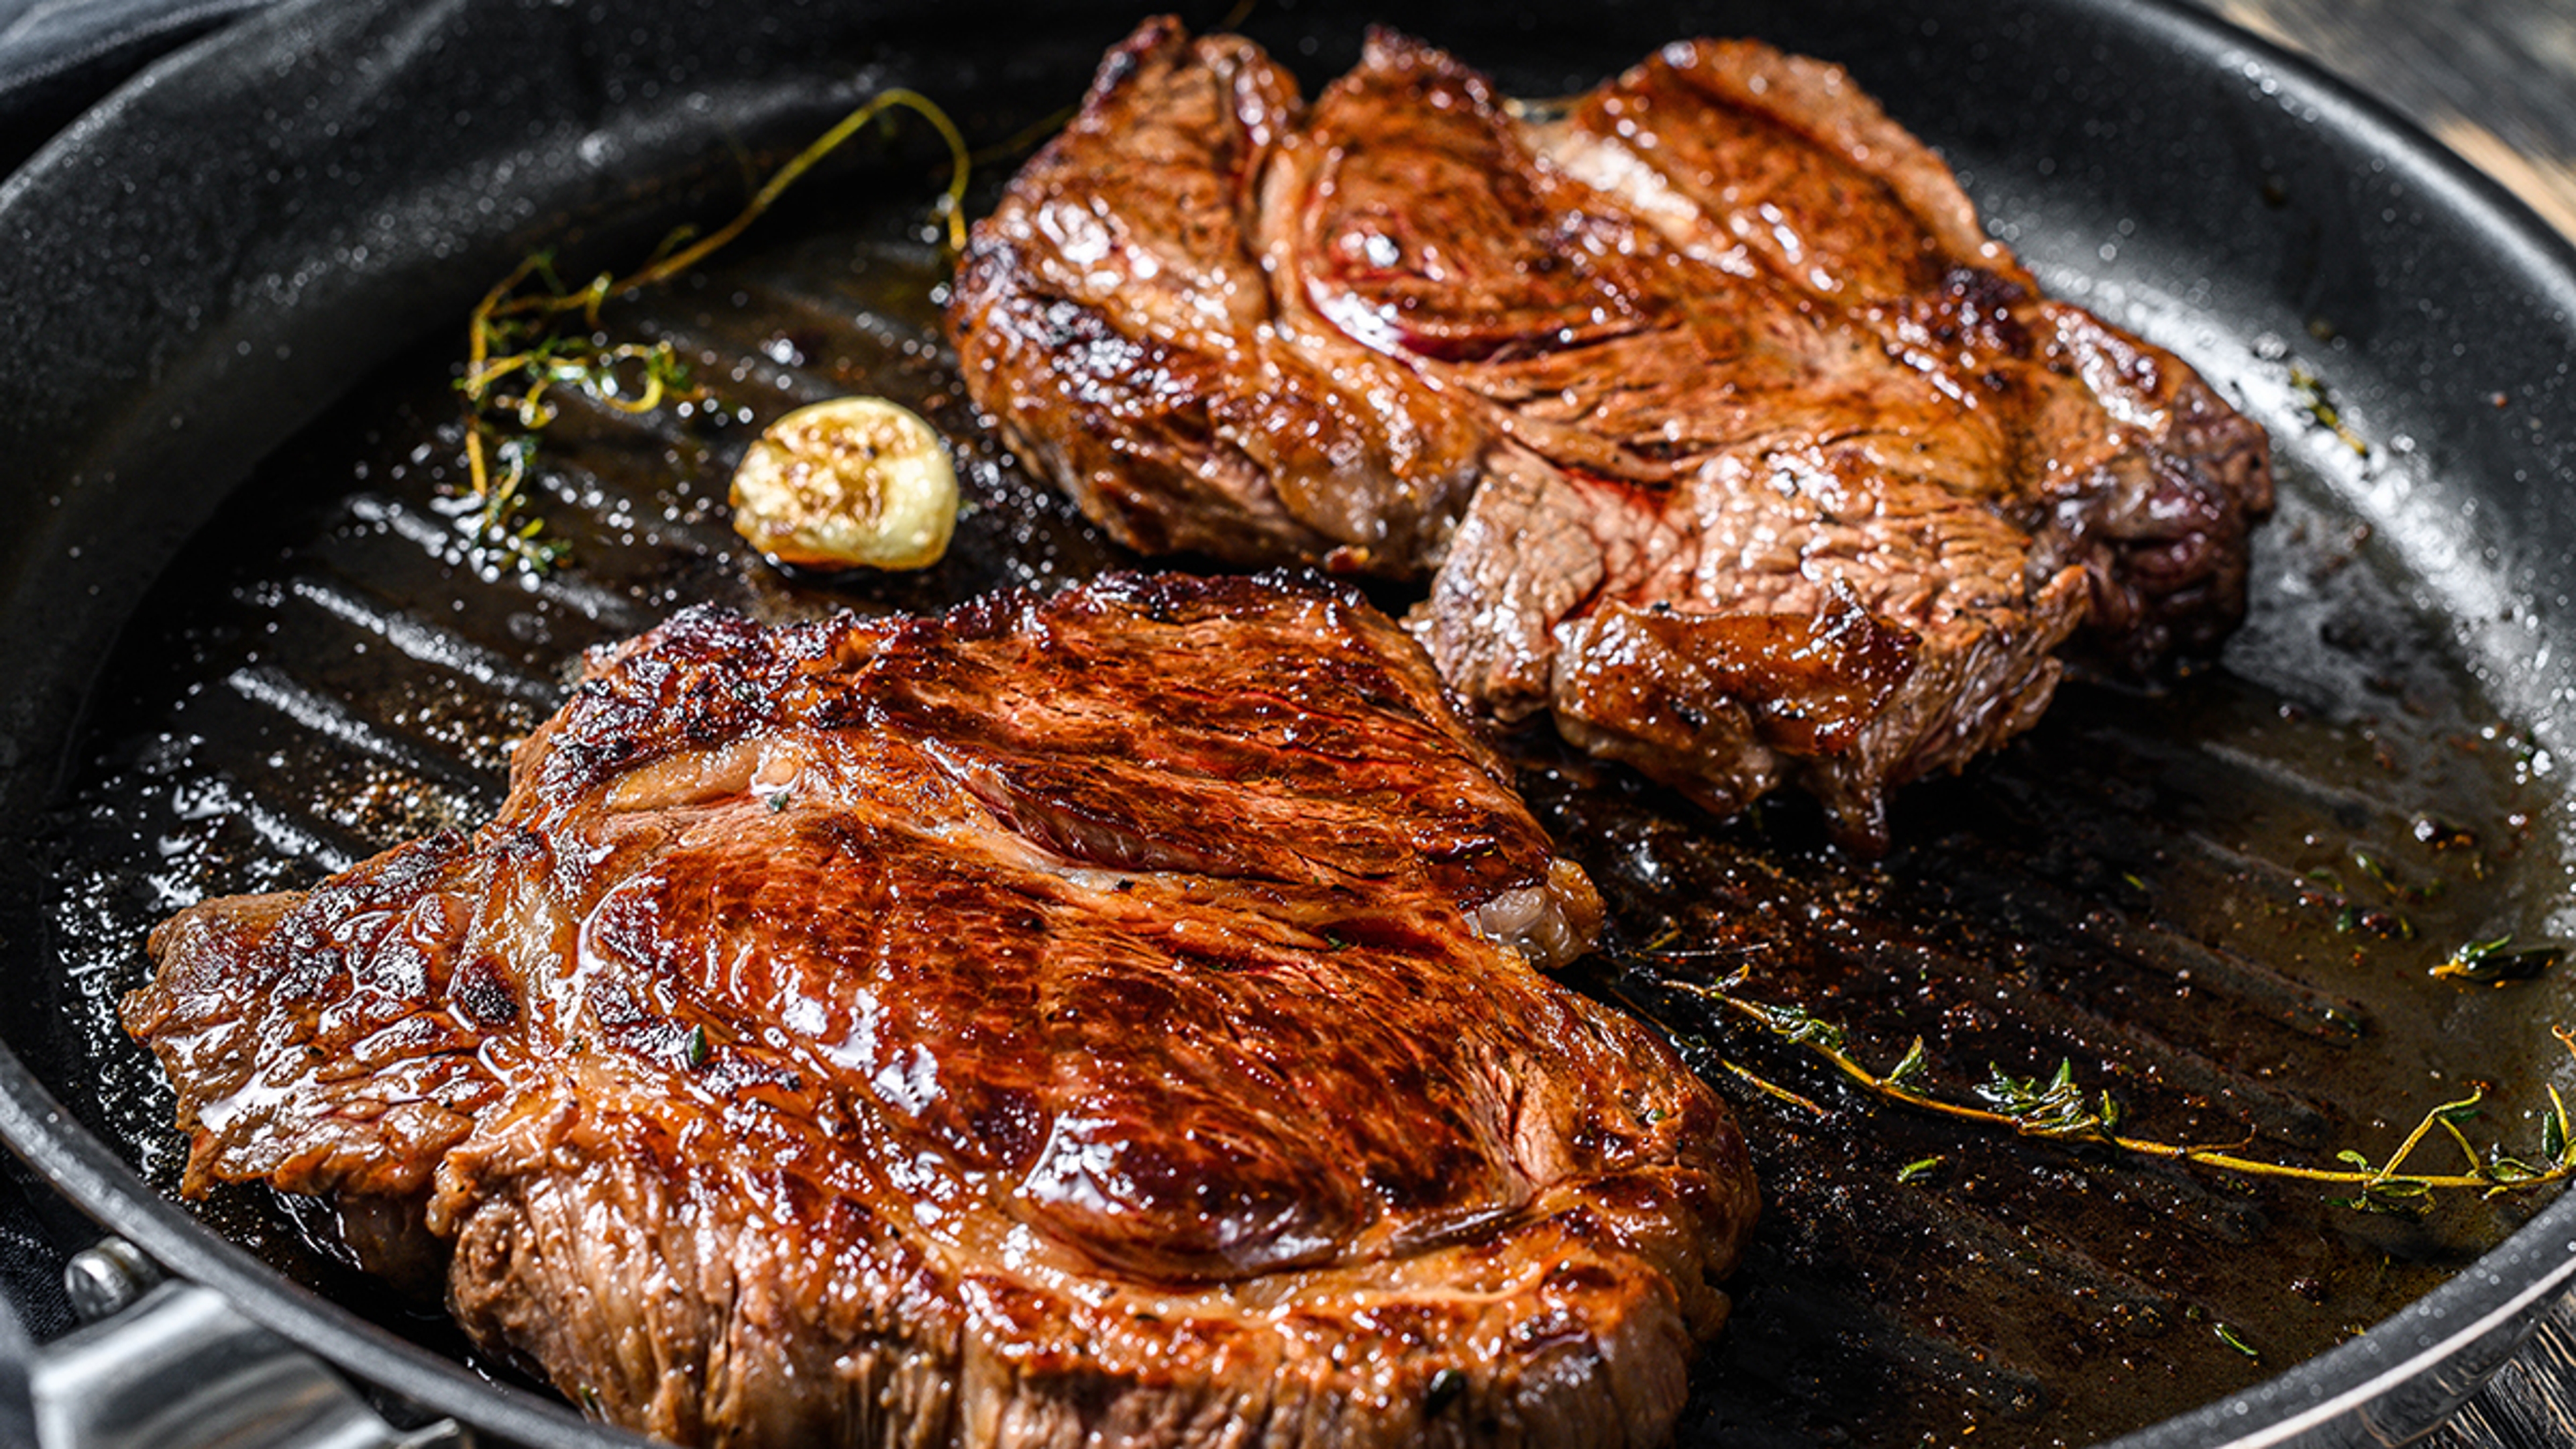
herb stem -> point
(2059, 1111)
(952, 199)
(510, 331)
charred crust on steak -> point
(1718, 338)
(1132, 354)
(1111, 1014)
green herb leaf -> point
(2505, 1169)
(2395, 1197)
(2057, 1109)
(1796, 1025)
(2490, 963)
(1918, 1169)
(1446, 1388)
(1910, 1066)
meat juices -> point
(1719, 427)
(1118, 1015)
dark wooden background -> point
(2495, 80)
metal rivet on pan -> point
(103, 1278)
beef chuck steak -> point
(1722, 431)
(1112, 1018)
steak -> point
(1109, 1018)
(1720, 430)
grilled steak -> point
(1722, 431)
(1117, 320)
(1116, 1018)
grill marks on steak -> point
(1115, 1015)
(1782, 470)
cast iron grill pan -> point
(2217, 902)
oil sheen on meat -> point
(1111, 1018)
(1720, 429)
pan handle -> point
(166, 1364)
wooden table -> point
(2496, 81)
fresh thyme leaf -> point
(697, 1047)
(2399, 1197)
(2511, 1171)
(1795, 1024)
(2320, 407)
(2394, 1198)
(2232, 1339)
(1444, 1389)
(2469, 953)
(2057, 1108)
(1918, 1169)
(2491, 963)
(1910, 1067)
(2387, 880)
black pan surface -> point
(249, 647)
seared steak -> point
(1114, 1018)
(1721, 428)
(1120, 328)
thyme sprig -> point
(2319, 404)
(2494, 962)
(2056, 1107)
(516, 353)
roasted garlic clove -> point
(853, 482)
